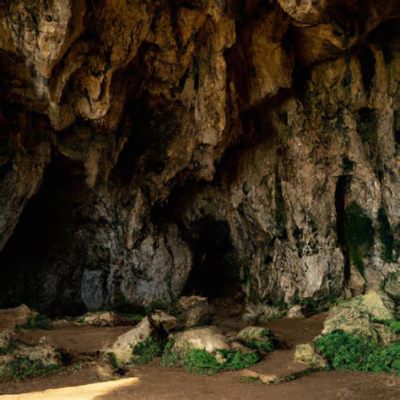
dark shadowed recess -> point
(215, 271)
(28, 252)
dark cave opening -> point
(215, 272)
(41, 225)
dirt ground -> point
(159, 383)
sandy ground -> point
(159, 383)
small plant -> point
(350, 352)
(25, 367)
(200, 362)
(260, 339)
(39, 321)
(170, 358)
(146, 351)
(236, 360)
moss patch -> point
(146, 351)
(350, 352)
(200, 362)
(39, 321)
(25, 367)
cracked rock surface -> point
(152, 147)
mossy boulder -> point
(307, 354)
(208, 338)
(18, 360)
(122, 348)
(363, 315)
(257, 338)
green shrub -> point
(39, 321)
(146, 351)
(200, 362)
(236, 360)
(170, 358)
(350, 352)
(24, 367)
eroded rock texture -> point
(151, 147)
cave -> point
(215, 272)
(39, 236)
(200, 169)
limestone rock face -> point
(152, 147)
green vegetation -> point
(39, 321)
(25, 367)
(358, 235)
(350, 352)
(200, 362)
(146, 351)
(264, 343)
(170, 358)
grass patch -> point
(347, 352)
(24, 367)
(146, 351)
(39, 321)
(264, 343)
(170, 358)
(200, 362)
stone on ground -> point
(208, 338)
(161, 319)
(306, 354)
(123, 346)
(257, 337)
(102, 318)
(295, 312)
(194, 310)
(363, 315)
(12, 317)
(264, 378)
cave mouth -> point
(216, 271)
(34, 244)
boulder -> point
(258, 338)
(12, 317)
(306, 353)
(102, 318)
(123, 346)
(363, 315)
(264, 378)
(295, 312)
(161, 319)
(261, 313)
(208, 338)
(194, 310)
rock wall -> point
(145, 143)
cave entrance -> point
(216, 271)
(38, 237)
